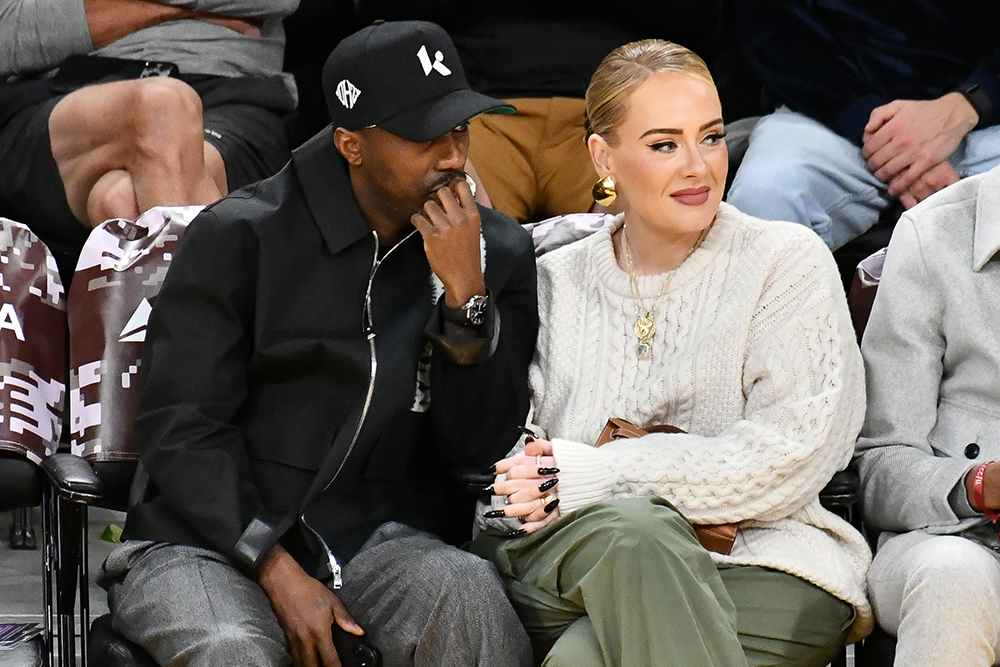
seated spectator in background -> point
(931, 437)
(539, 57)
(879, 101)
(683, 311)
(106, 138)
(328, 349)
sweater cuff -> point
(584, 474)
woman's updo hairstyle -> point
(627, 67)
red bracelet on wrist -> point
(977, 492)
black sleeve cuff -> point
(983, 92)
(466, 350)
(259, 538)
(851, 122)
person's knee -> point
(637, 522)
(160, 106)
(755, 188)
(953, 572)
(463, 612)
(237, 645)
(463, 579)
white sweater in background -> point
(754, 357)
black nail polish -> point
(517, 533)
(492, 470)
(493, 514)
(529, 439)
(551, 506)
(488, 489)
(548, 484)
(548, 471)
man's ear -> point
(600, 154)
(348, 143)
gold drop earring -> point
(604, 191)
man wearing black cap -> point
(330, 348)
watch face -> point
(476, 310)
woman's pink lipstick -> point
(692, 196)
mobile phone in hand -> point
(354, 651)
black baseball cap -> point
(406, 78)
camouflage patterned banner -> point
(119, 274)
(32, 344)
(556, 232)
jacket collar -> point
(326, 185)
(987, 235)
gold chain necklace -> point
(645, 317)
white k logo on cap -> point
(438, 64)
(347, 93)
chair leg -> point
(70, 517)
(84, 577)
(48, 567)
(22, 532)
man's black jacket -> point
(257, 367)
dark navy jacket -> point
(258, 363)
(837, 60)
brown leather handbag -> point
(714, 537)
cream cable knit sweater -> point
(754, 357)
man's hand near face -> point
(449, 223)
(306, 609)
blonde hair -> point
(625, 69)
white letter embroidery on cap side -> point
(347, 93)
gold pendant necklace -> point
(645, 320)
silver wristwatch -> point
(471, 314)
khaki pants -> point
(534, 164)
(625, 583)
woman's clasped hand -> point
(531, 487)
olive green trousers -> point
(625, 583)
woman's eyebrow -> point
(671, 130)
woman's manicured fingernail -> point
(493, 514)
(488, 489)
(548, 484)
(492, 470)
(529, 439)
(548, 471)
(551, 506)
(517, 533)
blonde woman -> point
(683, 311)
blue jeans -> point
(797, 169)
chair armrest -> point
(843, 490)
(73, 478)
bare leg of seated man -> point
(124, 147)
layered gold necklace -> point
(645, 316)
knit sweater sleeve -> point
(803, 383)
